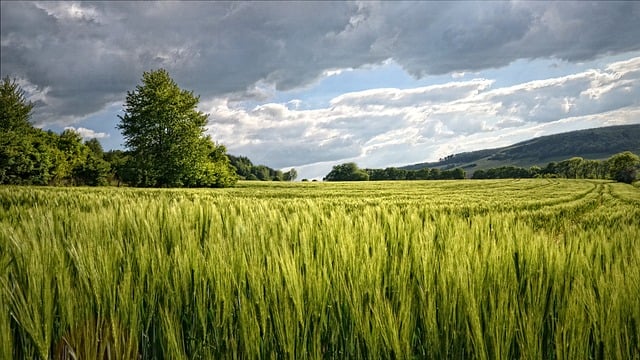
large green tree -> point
(16, 110)
(93, 170)
(24, 156)
(164, 132)
(33, 156)
(623, 167)
(346, 172)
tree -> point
(95, 147)
(220, 172)
(290, 175)
(93, 171)
(163, 131)
(119, 162)
(575, 165)
(23, 155)
(242, 164)
(458, 173)
(346, 172)
(261, 172)
(277, 176)
(623, 167)
(75, 153)
(15, 110)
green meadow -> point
(483, 269)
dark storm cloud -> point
(84, 56)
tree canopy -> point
(31, 156)
(164, 133)
(623, 167)
(347, 172)
(246, 170)
(16, 110)
(290, 175)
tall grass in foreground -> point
(484, 269)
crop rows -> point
(496, 269)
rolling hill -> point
(595, 144)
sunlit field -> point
(496, 269)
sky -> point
(310, 85)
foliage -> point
(163, 131)
(492, 269)
(504, 172)
(246, 170)
(33, 156)
(392, 173)
(15, 110)
(346, 172)
(94, 170)
(351, 172)
(219, 167)
(290, 175)
(623, 167)
(18, 158)
(119, 162)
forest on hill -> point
(592, 144)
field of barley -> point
(495, 269)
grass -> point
(490, 269)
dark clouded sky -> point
(312, 84)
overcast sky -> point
(310, 85)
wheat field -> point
(495, 269)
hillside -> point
(595, 144)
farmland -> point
(485, 269)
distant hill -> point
(593, 144)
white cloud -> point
(69, 11)
(87, 133)
(401, 126)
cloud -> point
(84, 56)
(87, 133)
(401, 126)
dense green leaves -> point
(351, 172)
(163, 129)
(623, 167)
(392, 173)
(290, 175)
(164, 132)
(246, 170)
(347, 172)
(32, 156)
(15, 110)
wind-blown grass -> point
(464, 269)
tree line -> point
(246, 170)
(622, 167)
(351, 172)
(164, 137)
(32, 156)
